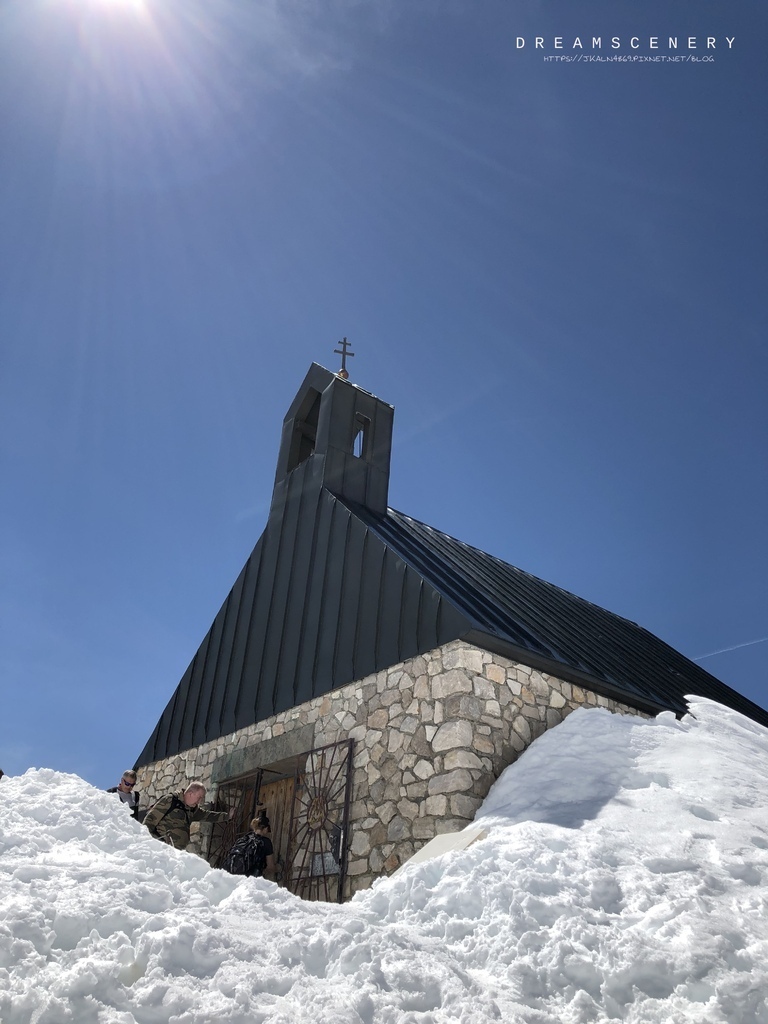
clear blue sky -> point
(556, 272)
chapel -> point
(368, 677)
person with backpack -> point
(169, 820)
(253, 854)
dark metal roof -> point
(545, 626)
(339, 586)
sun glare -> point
(137, 6)
(109, 10)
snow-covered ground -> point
(625, 877)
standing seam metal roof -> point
(553, 625)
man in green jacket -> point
(170, 818)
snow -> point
(624, 877)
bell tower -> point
(336, 436)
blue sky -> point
(554, 271)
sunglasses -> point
(130, 785)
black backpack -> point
(247, 857)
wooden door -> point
(278, 798)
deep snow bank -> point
(625, 877)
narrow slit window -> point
(360, 442)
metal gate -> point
(242, 795)
(317, 847)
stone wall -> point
(431, 736)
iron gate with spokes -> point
(317, 845)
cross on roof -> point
(343, 352)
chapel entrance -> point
(307, 798)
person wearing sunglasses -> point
(127, 793)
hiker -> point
(127, 793)
(253, 854)
(170, 818)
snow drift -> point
(625, 877)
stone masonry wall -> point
(431, 736)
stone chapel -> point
(369, 677)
